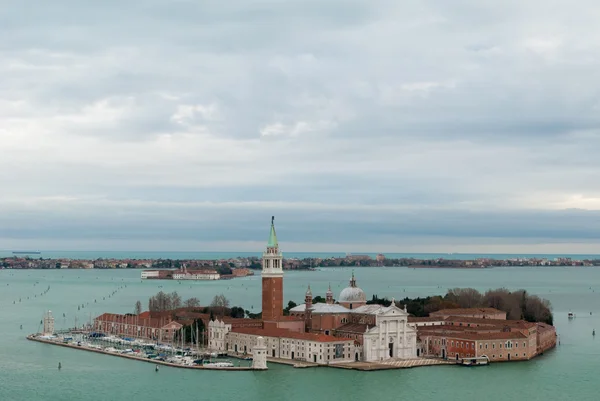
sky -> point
(361, 125)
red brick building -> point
(497, 339)
(272, 279)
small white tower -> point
(48, 324)
(259, 355)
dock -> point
(389, 364)
(33, 337)
(392, 364)
(294, 363)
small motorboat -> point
(571, 315)
(477, 361)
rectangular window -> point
(516, 345)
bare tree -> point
(220, 303)
(537, 310)
(465, 297)
(138, 308)
(160, 302)
(191, 303)
(175, 300)
(517, 304)
(496, 298)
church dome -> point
(353, 293)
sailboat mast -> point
(197, 339)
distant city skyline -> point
(363, 126)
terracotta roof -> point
(414, 319)
(501, 335)
(282, 333)
(289, 318)
(542, 327)
(235, 322)
(466, 311)
(490, 322)
(353, 328)
(132, 320)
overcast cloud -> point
(431, 125)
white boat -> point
(218, 365)
(571, 315)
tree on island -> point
(138, 308)
(318, 299)
(290, 305)
(220, 303)
(517, 304)
(164, 302)
(175, 300)
(253, 315)
(191, 303)
(237, 312)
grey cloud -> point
(295, 225)
(487, 112)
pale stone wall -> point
(217, 335)
(293, 349)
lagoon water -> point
(28, 370)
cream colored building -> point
(150, 274)
(280, 343)
(196, 275)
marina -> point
(176, 361)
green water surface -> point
(28, 370)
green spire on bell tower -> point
(272, 236)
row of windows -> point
(469, 355)
(502, 356)
(462, 344)
(508, 344)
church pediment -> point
(393, 310)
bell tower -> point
(329, 296)
(272, 278)
(308, 309)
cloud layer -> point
(362, 125)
